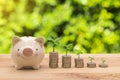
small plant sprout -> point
(103, 61)
(91, 59)
(78, 52)
(54, 41)
(67, 47)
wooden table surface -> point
(8, 72)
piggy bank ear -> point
(15, 39)
(40, 40)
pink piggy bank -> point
(27, 52)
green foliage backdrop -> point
(92, 25)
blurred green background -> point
(93, 26)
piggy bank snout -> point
(27, 52)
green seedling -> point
(54, 41)
(103, 61)
(67, 47)
(91, 59)
(78, 52)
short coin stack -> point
(91, 65)
(66, 61)
(79, 63)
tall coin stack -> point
(53, 59)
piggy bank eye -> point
(18, 49)
(36, 49)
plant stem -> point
(66, 52)
(53, 48)
(91, 60)
(78, 56)
(103, 62)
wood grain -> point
(8, 72)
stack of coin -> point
(66, 61)
(103, 65)
(53, 59)
(91, 65)
(79, 63)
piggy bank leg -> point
(18, 67)
(36, 67)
